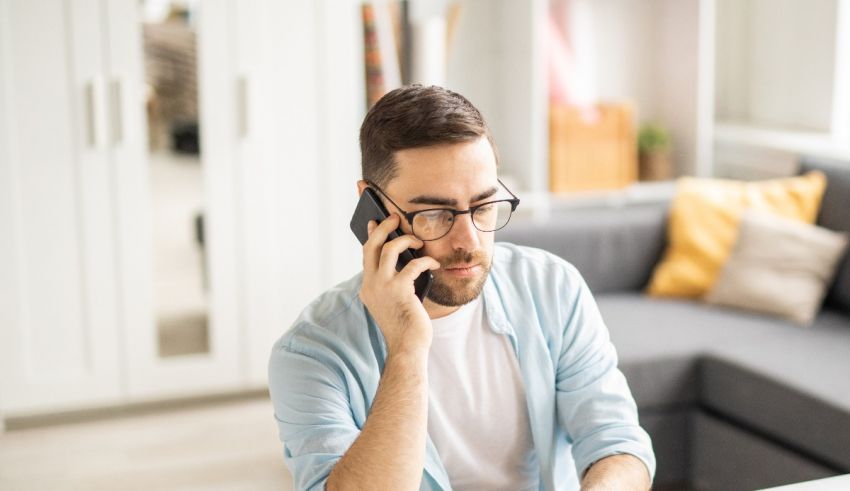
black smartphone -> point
(370, 208)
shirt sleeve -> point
(314, 419)
(595, 405)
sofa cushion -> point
(659, 341)
(793, 385)
(779, 266)
(703, 225)
(834, 215)
(766, 373)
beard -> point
(454, 292)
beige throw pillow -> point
(779, 266)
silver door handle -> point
(116, 111)
(91, 114)
(242, 103)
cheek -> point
(434, 250)
(487, 241)
(440, 249)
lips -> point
(461, 271)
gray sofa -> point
(733, 400)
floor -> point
(226, 446)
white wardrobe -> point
(280, 101)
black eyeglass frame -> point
(410, 215)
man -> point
(502, 378)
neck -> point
(435, 311)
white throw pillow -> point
(779, 266)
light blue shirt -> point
(324, 372)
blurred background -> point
(177, 176)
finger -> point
(373, 245)
(369, 261)
(416, 267)
(392, 250)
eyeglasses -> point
(436, 223)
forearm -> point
(617, 472)
(390, 451)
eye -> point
(433, 215)
(486, 208)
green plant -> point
(653, 138)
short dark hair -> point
(414, 116)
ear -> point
(361, 186)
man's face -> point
(452, 176)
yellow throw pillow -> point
(703, 225)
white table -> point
(838, 483)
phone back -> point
(369, 207)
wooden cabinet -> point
(591, 150)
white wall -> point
(782, 84)
(644, 52)
(679, 83)
(647, 52)
(496, 61)
(776, 62)
(624, 52)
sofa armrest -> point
(615, 249)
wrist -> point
(410, 346)
(411, 357)
(409, 351)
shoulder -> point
(524, 264)
(327, 323)
(533, 283)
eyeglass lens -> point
(433, 224)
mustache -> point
(463, 257)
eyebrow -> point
(425, 199)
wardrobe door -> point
(255, 73)
(174, 198)
(299, 159)
(58, 318)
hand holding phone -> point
(396, 278)
(369, 208)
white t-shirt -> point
(477, 412)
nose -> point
(464, 235)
